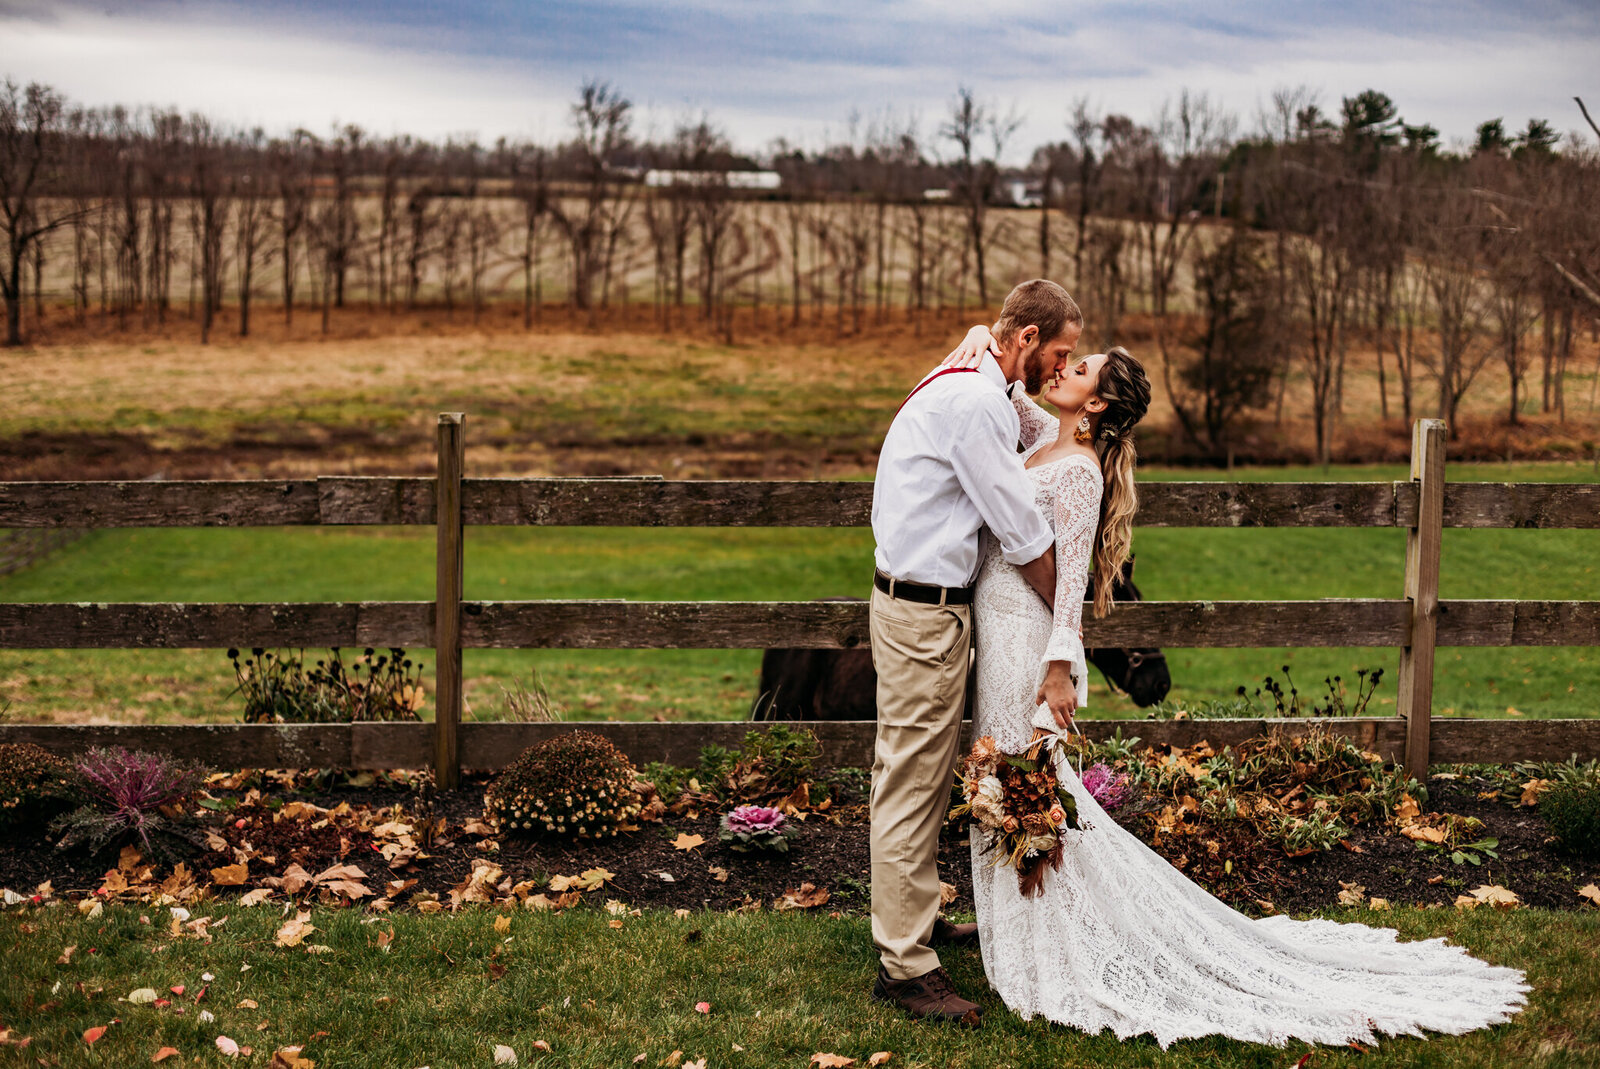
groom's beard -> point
(1032, 374)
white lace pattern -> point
(1120, 939)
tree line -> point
(1251, 255)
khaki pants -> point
(921, 654)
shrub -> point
(131, 794)
(773, 763)
(575, 784)
(751, 828)
(279, 688)
(1572, 811)
(35, 785)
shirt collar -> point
(991, 370)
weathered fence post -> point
(1415, 701)
(447, 603)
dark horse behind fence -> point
(841, 684)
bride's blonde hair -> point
(1125, 388)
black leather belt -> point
(926, 594)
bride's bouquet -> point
(1019, 805)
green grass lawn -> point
(317, 564)
(781, 987)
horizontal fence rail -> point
(1416, 623)
(653, 502)
(638, 625)
(847, 743)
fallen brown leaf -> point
(1489, 894)
(685, 841)
(1591, 892)
(806, 896)
(230, 875)
(289, 1058)
(163, 1054)
(880, 1058)
(294, 931)
(1533, 789)
(831, 1061)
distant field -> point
(630, 400)
(315, 564)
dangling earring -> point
(1083, 432)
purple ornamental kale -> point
(1108, 788)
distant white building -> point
(759, 180)
(1024, 192)
(936, 194)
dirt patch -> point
(830, 852)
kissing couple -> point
(988, 512)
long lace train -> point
(1120, 939)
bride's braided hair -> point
(1125, 388)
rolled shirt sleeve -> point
(984, 456)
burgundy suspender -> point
(930, 378)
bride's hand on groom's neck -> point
(970, 352)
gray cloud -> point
(764, 68)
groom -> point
(948, 467)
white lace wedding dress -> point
(1120, 939)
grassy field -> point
(315, 564)
(780, 988)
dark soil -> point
(831, 851)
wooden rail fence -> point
(1417, 623)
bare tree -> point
(1168, 173)
(164, 151)
(970, 124)
(210, 185)
(394, 155)
(291, 186)
(1235, 351)
(1051, 163)
(1514, 272)
(601, 119)
(714, 218)
(1452, 240)
(1086, 135)
(250, 226)
(531, 186)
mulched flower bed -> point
(354, 825)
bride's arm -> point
(1065, 686)
(1037, 424)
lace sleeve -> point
(1037, 425)
(1076, 489)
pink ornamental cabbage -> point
(1108, 788)
(755, 818)
(756, 827)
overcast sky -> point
(798, 69)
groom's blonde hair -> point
(1041, 303)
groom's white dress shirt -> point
(948, 467)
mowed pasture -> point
(636, 403)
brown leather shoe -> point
(929, 995)
(945, 933)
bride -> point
(1120, 939)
